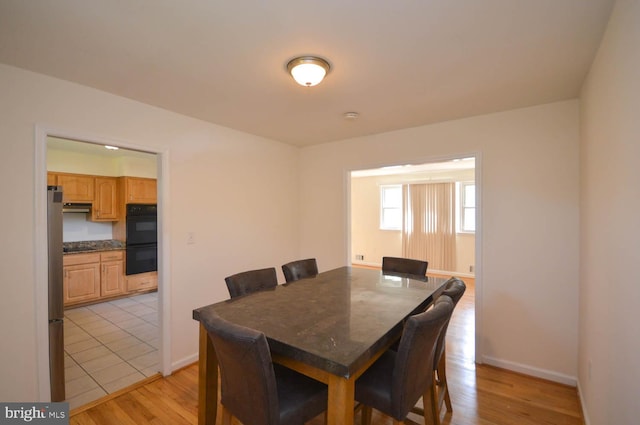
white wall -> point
(609, 371)
(80, 163)
(134, 165)
(528, 177)
(78, 227)
(233, 190)
(367, 238)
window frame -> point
(383, 224)
(462, 207)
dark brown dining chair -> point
(397, 380)
(253, 389)
(404, 265)
(251, 281)
(300, 269)
(454, 289)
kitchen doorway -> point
(111, 339)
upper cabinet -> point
(108, 195)
(138, 190)
(76, 187)
(105, 203)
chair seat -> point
(374, 386)
(300, 398)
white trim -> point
(549, 375)
(185, 361)
(41, 255)
(585, 416)
(41, 267)
(365, 263)
(164, 252)
(479, 268)
(460, 201)
(346, 185)
(443, 272)
(382, 191)
(450, 273)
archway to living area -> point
(376, 209)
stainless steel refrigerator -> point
(56, 303)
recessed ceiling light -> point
(113, 148)
(350, 116)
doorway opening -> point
(112, 338)
(377, 213)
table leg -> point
(207, 380)
(341, 400)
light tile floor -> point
(110, 346)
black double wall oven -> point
(142, 238)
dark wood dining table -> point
(330, 327)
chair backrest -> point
(251, 281)
(300, 269)
(247, 378)
(412, 375)
(454, 289)
(404, 265)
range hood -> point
(76, 208)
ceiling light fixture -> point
(308, 70)
(113, 148)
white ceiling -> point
(398, 63)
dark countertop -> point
(91, 246)
(334, 321)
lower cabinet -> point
(142, 282)
(92, 277)
(112, 273)
(81, 278)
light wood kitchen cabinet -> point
(142, 281)
(105, 202)
(81, 278)
(76, 187)
(112, 280)
(100, 276)
(51, 179)
(139, 190)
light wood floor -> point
(481, 395)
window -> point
(391, 207)
(467, 201)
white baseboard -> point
(365, 263)
(582, 406)
(446, 273)
(443, 272)
(186, 361)
(532, 371)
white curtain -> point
(428, 228)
